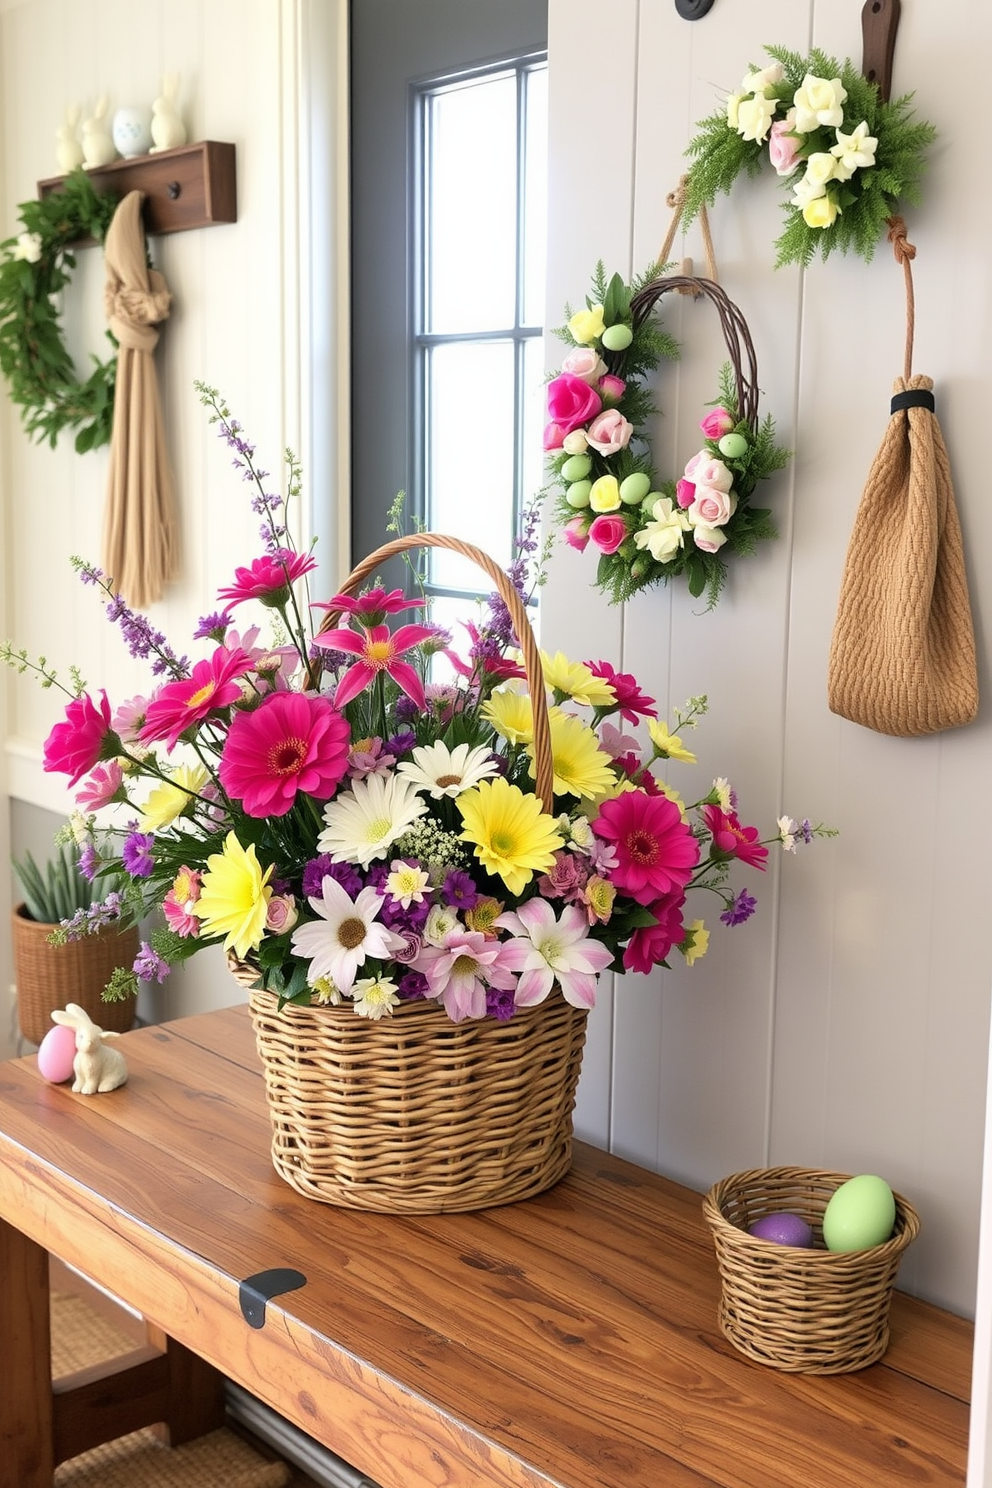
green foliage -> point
(40, 375)
(865, 202)
(55, 892)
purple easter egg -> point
(783, 1229)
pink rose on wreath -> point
(783, 147)
(716, 423)
(712, 508)
(612, 387)
(610, 432)
(571, 402)
(577, 533)
(703, 470)
(608, 532)
(708, 539)
(553, 437)
(584, 362)
(685, 493)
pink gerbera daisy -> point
(735, 841)
(102, 787)
(291, 743)
(370, 608)
(269, 578)
(631, 701)
(656, 851)
(75, 746)
(378, 650)
(180, 705)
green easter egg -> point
(733, 446)
(617, 337)
(651, 498)
(634, 488)
(576, 467)
(577, 494)
(860, 1214)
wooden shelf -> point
(193, 186)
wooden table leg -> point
(26, 1437)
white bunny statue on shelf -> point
(98, 145)
(68, 150)
(168, 130)
(97, 1067)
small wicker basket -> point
(806, 1311)
(414, 1113)
(50, 976)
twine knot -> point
(903, 249)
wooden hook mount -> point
(879, 24)
(189, 187)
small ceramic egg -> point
(617, 337)
(733, 446)
(860, 1214)
(634, 488)
(783, 1229)
(56, 1053)
(576, 467)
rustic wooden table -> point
(569, 1341)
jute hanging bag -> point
(415, 1113)
(902, 658)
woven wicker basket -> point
(806, 1311)
(49, 976)
(414, 1113)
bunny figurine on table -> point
(168, 130)
(98, 145)
(97, 1067)
(68, 150)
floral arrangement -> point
(362, 834)
(35, 267)
(846, 155)
(648, 530)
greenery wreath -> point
(649, 531)
(847, 155)
(35, 267)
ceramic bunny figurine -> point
(168, 130)
(98, 146)
(68, 150)
(97, 1067)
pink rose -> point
(712, 508)
(609, 432)
(708, 539)
(608, 532)
(783, 148)
(571, 402)
(584, 362)
(612, 387)
(717, 422)
(703, 470)
(577, 533)
(685, 493)
(281, 914)
(553, 437)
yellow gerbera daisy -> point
(696, 942)
(574, 679)
(234, 897)
(171, 798)
(581, 767)
(512, 836)
(668, 745)
(509, 713)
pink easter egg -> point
(56, 1053)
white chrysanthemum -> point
(365, 821)
(375, 997)
(447, 772)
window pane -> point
(535, 195)
(472, 207)
(470, 455)
(534, 411)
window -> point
(478, 370)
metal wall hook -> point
(692, 10)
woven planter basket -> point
(806, 1311)
(49, 976)
(414, 1113)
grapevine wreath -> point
(847, 155)
(649, 531)
(35, 267)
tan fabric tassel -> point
(902, 659)
(140, 541)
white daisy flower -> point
(337, 943)
(375, 997)
(366, 820)
(447, 772)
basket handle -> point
(740, 346)
(543, 764)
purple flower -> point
(411, 985)
(136, 854)
(89, 861)
(459, 890)
(149, 966)
(500, 1004)
(741, 909)
(321, 867)
(401, 743)
(213, 627)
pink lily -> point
(378, 650)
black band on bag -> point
(916, 398)
(255, 1291)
